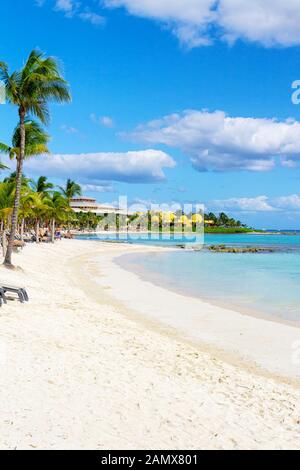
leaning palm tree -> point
(71, 189)
(42, 185)
(36, 144)
(31, 89)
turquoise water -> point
(276, 240)
(267, 283)
(262, 283)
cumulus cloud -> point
(286, 204)
(146, 166)
(200, 22)
(189, 19)
(98, 188)
(245, 204)
(269, 22)
(216, 141)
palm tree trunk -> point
(37, 230)
(22, 230)
(2, 236)
(4, 241)
(53, 231)
(19, 174)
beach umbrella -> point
(197, 218)
(168, 217)
(184, 220)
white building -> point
(88, 204)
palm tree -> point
(6, 200)
(223, 219)
(31, 89)
(57, 208)
(41, 186)
(36, 144)
(71, 190)
(26, 209)
(6, 207)
(12, 179)
(38, 211)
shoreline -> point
(147, 232)
(255, 340)
(83, 370)
(251, 312)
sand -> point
(82, 367)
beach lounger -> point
(19, 291)
(3, 299)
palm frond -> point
(35, 85)
(35, 136)
(3, 167)
(4, 148)
(3, 72)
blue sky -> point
(172, 101)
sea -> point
(266, 283)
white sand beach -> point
(89, 364)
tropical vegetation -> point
(30, 90)
(42, 205)
(192, 222)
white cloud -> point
(69, 129)
(98, 188)
(91, 17)
(286, 204)
(66, 6)
(188, 19)
(199, 22)
(145, 166)
(246, 204)
(105, 121)
(75, 9)
(269, 22)
(186, 11)
(215, 141)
